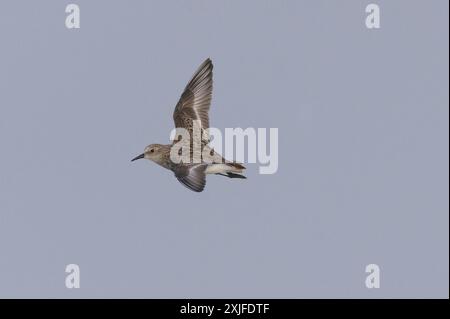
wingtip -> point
(208, 61)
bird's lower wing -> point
(192, 176)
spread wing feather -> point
(195, 101)
(192, 176)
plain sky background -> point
(363, 149)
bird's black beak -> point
(138, 157)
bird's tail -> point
(233, 175)
(235, 170)
(237, 166)
(232, 170)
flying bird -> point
(192, 109)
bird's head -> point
(152, 152)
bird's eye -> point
(152, 150)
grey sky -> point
(363, 149)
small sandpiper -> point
(191, 110)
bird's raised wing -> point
(195, 101)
